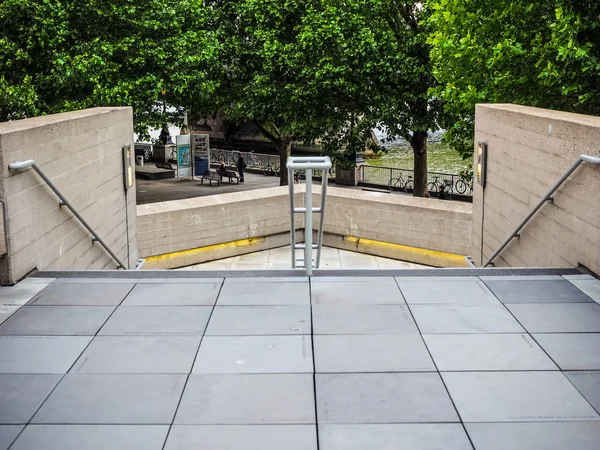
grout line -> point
(312, 340)
(437, 369)
(72, 365)
(192, 367)
(540, 345)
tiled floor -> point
(334, 363)
(280, 259)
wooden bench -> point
(210, 176)
(232, 175)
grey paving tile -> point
(383, 398)
(371, 353)
(588, 384)
(56, 320)
(92, 437)
(590, 287)
(421, 436)
(456, 292)
(7, 311)
(242, 437)
(348, 279)
(93, 280)
(19, 294)
(112, 399)
(21, 395)
(436, 319)
(266, 279)
(259, 320)
(40, 354)
(363, 319)
(537, 291)
(173, 294)
(558, 317)
(383, 291)
(521, 277)
(579, 351)
(516, 397)
(436, 278)
(174, 280)
(139, 354)
(8, 433)
(237, 292)
(535, 436)
(254, 354)
(168, 320)
(247, 400)
(459, 352)
(578, 277)
(91, 294)
(133, 280)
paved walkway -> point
(280, 259)
(436, 363)
(152, 191)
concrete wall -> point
(2, 231)
(82, 153)
(185, 232)
(528, 150)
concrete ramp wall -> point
(184, 232)
(81, 152)
(528, 150)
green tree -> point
(544, 54)
(61, 56)
(329, 68)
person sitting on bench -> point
(222, 170)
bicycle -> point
(464, 184)
(436, 185)
(440, 188)
(399, 184)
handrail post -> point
(308, 232)
(292, 221)
(31, 163)
(548, 195)
(308, 164)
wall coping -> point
(350, 194)
(541, 113)
(41, 121)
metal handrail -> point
(549, 196)
(64, 202)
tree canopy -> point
(544, 54)
(60, 56)
(328, 68)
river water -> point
(440, 157)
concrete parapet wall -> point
(400, 219)
(186, 232)
(81, 152)
(528, 150)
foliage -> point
(327, 68)
(61, 56)
(544, 54)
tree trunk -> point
(284, 147)
(418, 142)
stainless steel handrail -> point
(308, 164)
(63, 201)
(549, 196)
